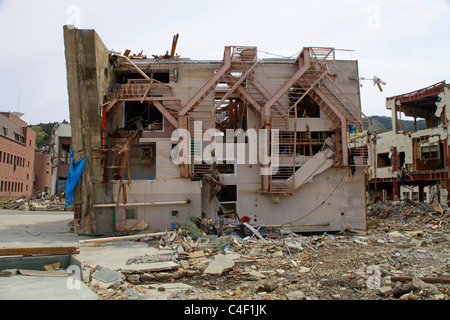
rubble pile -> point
(404, 255)
(37, 202)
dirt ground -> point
(403, 240)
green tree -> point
(43, 135)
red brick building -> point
(17, 143)
(42, 173)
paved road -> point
(36, 228)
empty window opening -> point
(401, 159)
(232, 114)
(227, 197)
(383, 160)
(306, 108)
(163, 77)
(143, 116)
(308, 143)
(65, 154)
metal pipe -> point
(136, 204)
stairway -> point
(202, 114)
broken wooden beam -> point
(424, 279)
(30, 251)
(132, 237)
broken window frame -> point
(433, 154)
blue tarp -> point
(351, 129)
(75, 172)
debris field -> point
(403, 255)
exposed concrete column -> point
(89, 78)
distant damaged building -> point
(167, 138)
(414, 164)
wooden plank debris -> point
(37, 273)
(132, 237)
(152, 267)
(424, 279)
(30, 251)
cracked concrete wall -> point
(89, 78)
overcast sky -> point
(405, 43)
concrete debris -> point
(296, 295)
(106, 278)
(400, 259)
(8, 272)
(37, 202)
(151, 258)
(220, 264)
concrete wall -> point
(334, 197)
(168, 186)
(89, 78)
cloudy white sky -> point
(405, 43)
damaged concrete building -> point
(414, 163)
(60, 142)
(128, 113)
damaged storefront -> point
(168, 138)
